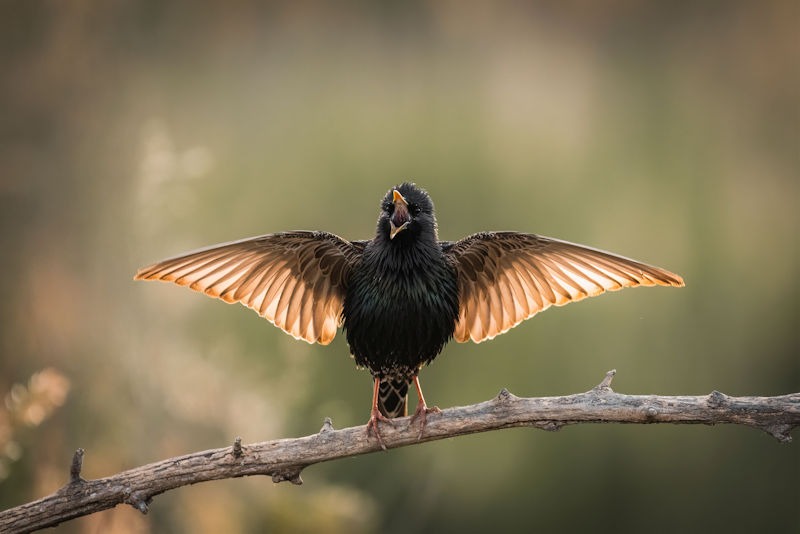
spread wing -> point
(507, 277)
(295, 280)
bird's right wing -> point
(295, 280)
(507, 277)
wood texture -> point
(284, 459)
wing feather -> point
(507, 277)
(296, 280)
(519, 296)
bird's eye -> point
(414, 209)
(387, 206)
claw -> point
(422, 410)
(376, 417)
(421, 413)
(372, 426)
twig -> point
(75, 468)
(284, 459)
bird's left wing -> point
(507, 277)
(295, 280)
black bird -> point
(403, 295)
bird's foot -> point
(372, 425)
(421, 413)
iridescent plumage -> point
(403, 295)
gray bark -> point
(284, 459)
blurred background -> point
(663, 131)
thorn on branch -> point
(549, 426)
(138, 501)
(504, 396)
(605, 385)
(779, 432)
(291, 475)
(75, 467)
(237, 447)
(327, 426)
(717, 399)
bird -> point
(403, 295)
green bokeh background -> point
(664, 131)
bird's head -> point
(407, 215)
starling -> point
(403, 295)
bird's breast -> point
(399, 318)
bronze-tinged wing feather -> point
(507, 277)
(295, 280)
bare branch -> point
(284, 459)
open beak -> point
(394, 230)
(400, 217)
(397, 197)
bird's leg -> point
(376, 415)
(422, 410)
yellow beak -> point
(400, 212)
(397, 197)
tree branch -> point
(284, 459)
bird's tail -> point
(393, 398)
